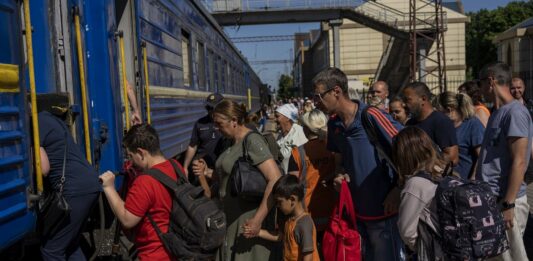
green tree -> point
(285, 85)
(484, 26)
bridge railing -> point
(261, 5)
(374, 10)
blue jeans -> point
(381, 240)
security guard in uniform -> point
(205, 136)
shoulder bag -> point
(246, 180)
(54, 209)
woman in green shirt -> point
(229, 117)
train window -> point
(200, 57)
(222, 73)
(211, 71)
(230, 80)
(185, 54)
(216, 62)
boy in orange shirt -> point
(299, 233)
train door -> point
(125, 14)
(16, 218)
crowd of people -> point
(480, 136)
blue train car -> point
(16, 216)
(77, 48)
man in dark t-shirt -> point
(438, 126)
(205, 136)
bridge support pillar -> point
(335, 24)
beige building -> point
(363, 49)
(515, 47)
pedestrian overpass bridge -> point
(394, 67)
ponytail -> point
(465, 105)
(460, 102)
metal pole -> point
(336, 42)
(34, 118)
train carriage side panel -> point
(16, 217)
(174, 107)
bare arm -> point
(452, 154)
(136, 119)
(191, 151)
(126, 218)
(45, 163)
(483, 117)
(518, 147)
(477, 150)
(270, 236)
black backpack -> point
(197, 224)
(470, 221)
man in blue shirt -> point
(372, 183)
(505, 154)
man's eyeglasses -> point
(320, 95)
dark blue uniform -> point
(206, 136)
(81, 187)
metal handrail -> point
(34, 119)
(81, 67)
(146, 83)
(124, 79)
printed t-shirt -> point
(438, 127)
(469, 137)
(299, 238)
(510, 120)
(147, 195)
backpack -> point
(470, 221)
(197, 224)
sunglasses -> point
(320, 95)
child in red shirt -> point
(146, 195)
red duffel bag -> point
(341, 240)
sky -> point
(283, 50)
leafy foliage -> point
(285, 87)
(484, 26)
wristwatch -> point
(506, 205)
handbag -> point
(341, 239)
(54, 210)
(246, 180)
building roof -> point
(519, 30)
(456, 6)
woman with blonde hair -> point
(469, 130)
(241, 212)
(319, 165)
(414, 154)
